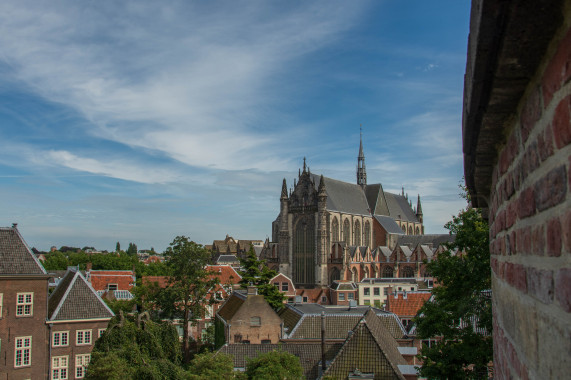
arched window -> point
(403, 228)
(335, 275)
(303, 252)
(357, 237)
(354, 276)
(347, 232)
(410, 230)
(417, 231)
(387, 272)
(335, 229)
(367, 272)
(407, 272)
(367, 241)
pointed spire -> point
(321, 188)
(418, 206)
(402, 191)
(304, 164)
(284, 190)
(361, 170)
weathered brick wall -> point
(530, 227)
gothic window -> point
(410, 230)
(417, 231)
(303, 252)
(366, 272)
(354, 276)
(357, 233)
(347, 232)
(403, 228)
(387, 272)
(407, 272)
(367, 237)
(335, 275)
(335, 229)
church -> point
(323, 220)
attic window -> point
(304, 299)
(285, 287)
(255, 321)
(112, 287)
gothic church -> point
(322, 219)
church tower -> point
(361, 171)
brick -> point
(511, 215)
(524, 240)
(554, 237)
(551, 189)
(538, 240)
(516, 276)
(526, 203)
(531, 113)
(563, 288)
(566, 230)
(540, 284)
(562, 123)
(558, 71)
(545, 143)
(530, 159)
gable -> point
(15, 256)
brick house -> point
(77, 316)
(23, 309)
(516, 134)
(406, 304)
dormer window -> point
(112, 287)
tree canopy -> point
(257, 273)
(462, 297)
(274, 365)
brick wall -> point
(530, 227)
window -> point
(100, 332)
(112, 287)
(386, 291)
(59, 367)
(285, 287)
(246, 341)
(346, 232)
(218, 295)
(367, 291)
(266, 341)
(376, 291)
(341, 296)
(304, 299)
(255, 321)
(83, 337)
(412, 289)
(23, 354)
(350, 296)
(60, 338)
(81, 362)
(367, 302)
(357, 233)
(335, 229)
(24, 303)
(277, 285)
(323, 299)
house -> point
(374, 291)
(516, 132)
(77, 317)
(116, 282)
(247, 318)
(284, 285)
(342, 292)
(23, 309)
(406, 305)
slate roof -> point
(75, 299)
(398, 205)
(434, 239)
(409, 306)
(343, 285)
(343, 196)
(389, 224)
(15, 255)
(385, 253)
(370, 349)
(227, 259)
(309, 354)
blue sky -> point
(137, 121)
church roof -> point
(389, 224)
(344, 196)
(15, 256)
(399, 208)
(434, 239)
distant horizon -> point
(141, 121)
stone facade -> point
(517, 144)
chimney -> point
(88, 267)
(15, 226)
(252, 291)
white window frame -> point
(341, 296)
(60, 338)
(116, 286)
(81, 363)
(23, 345)
(83, 337)
(100, 332)
(25, 306)
(60, 365)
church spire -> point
(284, 190)
(361, 171)
(418, 207)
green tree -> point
(190, 282)
(461, 295)
(132, 250)
(257, 273)
(213, 366)
(278, 365)
(56, 261)
(118, 247)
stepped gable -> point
(369, 349)
(75, 299)
(15, 255)
(309, 354)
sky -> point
(139, 121)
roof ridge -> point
(64, 297)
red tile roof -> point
(409, 306)
(99, 279)
(225, 273)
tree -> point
(257, 273)
(185, 297)
(56, 261)
(132, 250)
(118, 247)
(278, 365)
(462, 296)
(213, 366)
